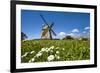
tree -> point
(23, 36)
(84, 39)
(68, 37)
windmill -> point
(47, 30)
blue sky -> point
(65, 23)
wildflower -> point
(47, 50)
(51, 50)
(63, 49)
(43, 49)
(57, 48)
(58, 57)
(57, 52)
(32, 52)
(31, 60)
(50, 58)
(52, 47)
(38, 54)
(24, 55)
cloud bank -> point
(86, 28)
(75, 30)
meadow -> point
(54, 50)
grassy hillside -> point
(54, 50)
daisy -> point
(43, 49)
(57, 48)
(32, 52)
(24, 55)
(47, 49)
(50, 58)
(52, 47)
(31, 60)
(58, 57)
(51, 51)
(63, 49)
(57, 52)
(38, 54)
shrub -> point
(68, 37)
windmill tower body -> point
(45, 32)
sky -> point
(65, 23)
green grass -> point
(68, 50)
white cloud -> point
(84, 31)
(86, 28)
(75, 35)
(75, 30)
(61, 35)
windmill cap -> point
(45, 27)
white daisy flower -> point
(32, 52)
(57, 52)
(47, 49)
(31, 60)
(58, 57)
(63, 49)
(38, 54)
(51, 50)
(50, 58)
(43, 49)
(52, 47)
(24, 55)
(57, 48)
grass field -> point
(54, 50)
